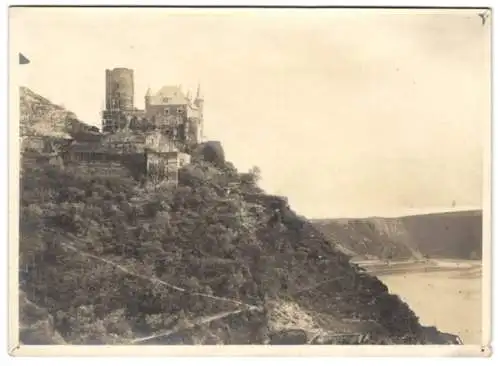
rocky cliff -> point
(454, 235)
(40, 117)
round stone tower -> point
(120, 89)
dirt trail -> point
(192, 324)
(154, 280)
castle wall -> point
(159, 111)
(124, 142)
(101, 163)
(103, 168)
(159, 142)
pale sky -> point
(347, 112)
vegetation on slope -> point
(36, 325)
(114, 261)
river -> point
(448, 298)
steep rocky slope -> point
(365, 238)
(454, 235)
(212, 261)
(40, 117)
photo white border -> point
(309, 351)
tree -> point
(255, 172)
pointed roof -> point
(199, 96)
(169, 94)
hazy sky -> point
(346, 112)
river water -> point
(449, 299)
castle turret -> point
(198, 102)
(147, 99)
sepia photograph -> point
(310, 177)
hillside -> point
(447, 235)
(453, 235)
(36, 324)
(40, 117)
(212, 261)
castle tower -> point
(120, 89)
(119, 97)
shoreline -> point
(377, 267)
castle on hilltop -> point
(168, 111)
(153, 142)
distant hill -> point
(456, 235)
(448, 235)
(40, 117)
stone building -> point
(88, 158)
(154, 142)
(168, 111)
(165, 164)
(128, 160)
